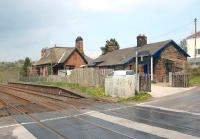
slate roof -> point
(192, 60)
(194, 35)
(123, 56)
(58, 55)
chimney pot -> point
(79, 44)
(141, 40)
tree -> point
(110, 46)
(25, 68)
(183, 44)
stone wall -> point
(175, 56)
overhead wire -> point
(173, 30)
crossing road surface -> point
(152, 120)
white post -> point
(136, 63)
(136, 72)
(151, 68)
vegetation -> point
(97, 91)
(195, 76)
(141, 96)
(93, 91)
(9, 71)
(110, 45)
(195, 81)
(183, 44)
(25, 68)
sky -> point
(27, 26)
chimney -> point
(141, 40)
(43, 52)
(79, 44)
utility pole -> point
(51, 53)
(195, 39)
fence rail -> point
(180, 80)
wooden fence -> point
(180, 80)
(32, 79)
(82, 76)
(145, 83)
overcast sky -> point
(27, 26)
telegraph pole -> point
(195, 39)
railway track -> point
(23, 111)
(62, 100)
(56, 91)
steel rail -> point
(61, 136)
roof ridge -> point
(197, 34)
(142, 46)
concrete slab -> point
(15, 132)
(74, 128)
(10, 129)
(166, 133)
(159, 118)
(119, 128)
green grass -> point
(97, 92)
(195, 77)
(93, 91)
(9, 71)
(142, 96)
(195, 80)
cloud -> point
(108, 5)
(125, 5)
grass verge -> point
(93, 91)
(98, 92)
(141, 96)
(195, 81)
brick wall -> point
(175, 57)
(76, 60)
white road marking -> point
(166, 133)
(22, 133)
(63, 117)
(12, 125)
(168, 109)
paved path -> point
(169, 117)
(158, 91)
(187, 101)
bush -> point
(196, 72)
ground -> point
(175, 116)
(187, 101)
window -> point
(198, 51)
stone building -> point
(157, 59)
(59, 58)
